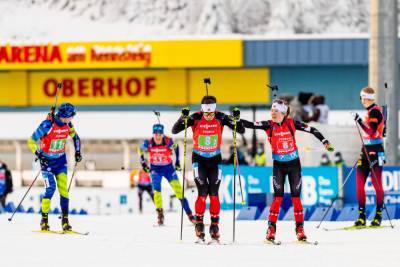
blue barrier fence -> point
(320, 185)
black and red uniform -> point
(286, 161)
(206, 158)
(372, 134)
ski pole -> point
(183, 173)
(72, 177)
(70, 182)
(373, 172)
(26, 193)
(234, 179)
(238, 169)
(337, 196)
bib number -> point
(57, 145)
(208, 142)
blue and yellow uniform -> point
(160, 157)
(48, 144)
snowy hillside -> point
(68, 20)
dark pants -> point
(376, 156)
(292, 169)
(141, 189)
(207, 176)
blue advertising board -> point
(320, 184)
(390, 183)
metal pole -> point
(383, 67)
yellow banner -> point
(231, 86)
(164, 87)
(136, 54)
(14, 88)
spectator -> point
(6, 185)
(320, 109)
(260, 157)
(325, 161)
(240, 155)
(339, 162)
(306, 106)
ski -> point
(72, 232)
(214, 241)
(200, 241)
(306, 242)
(48, 232)
(272, 242)
(351, 228)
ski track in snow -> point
(132, 240)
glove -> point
(236, 113)
(185, 112)
(328, 146)
(178, 167)
(78, 156)
(355, 115)
(145, 167)
(44, 162)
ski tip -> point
(244, 203)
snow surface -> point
(84, 20)
(133, 241)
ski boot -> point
(44, 223)
(199, 229)
(376, 222)
(160, 217)
(214, 231)
(191, 218)
(65, 223)
(361, 221)
(301, 236)
(271, 231)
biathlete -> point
(281, 130)
(52, 136)
(207, 126)
(372, 134)
(160, 148)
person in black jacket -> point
(207, 126)
(6, 184)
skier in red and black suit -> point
(207, 126)
(281, 135)
(373, 128)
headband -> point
(208, 107)
(367, 96)
(280, 107)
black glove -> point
(178, 166)
(236, 113)
(78, 156)
(145, 167)
(44, 162)
(185, 112)
(356, 117)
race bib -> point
(208, 142)
(57, 145)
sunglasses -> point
(208, 113)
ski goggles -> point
(158, 129)
(279, 105)
(208, 113)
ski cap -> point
(158, 129)
(66, 110)
(279, 105)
